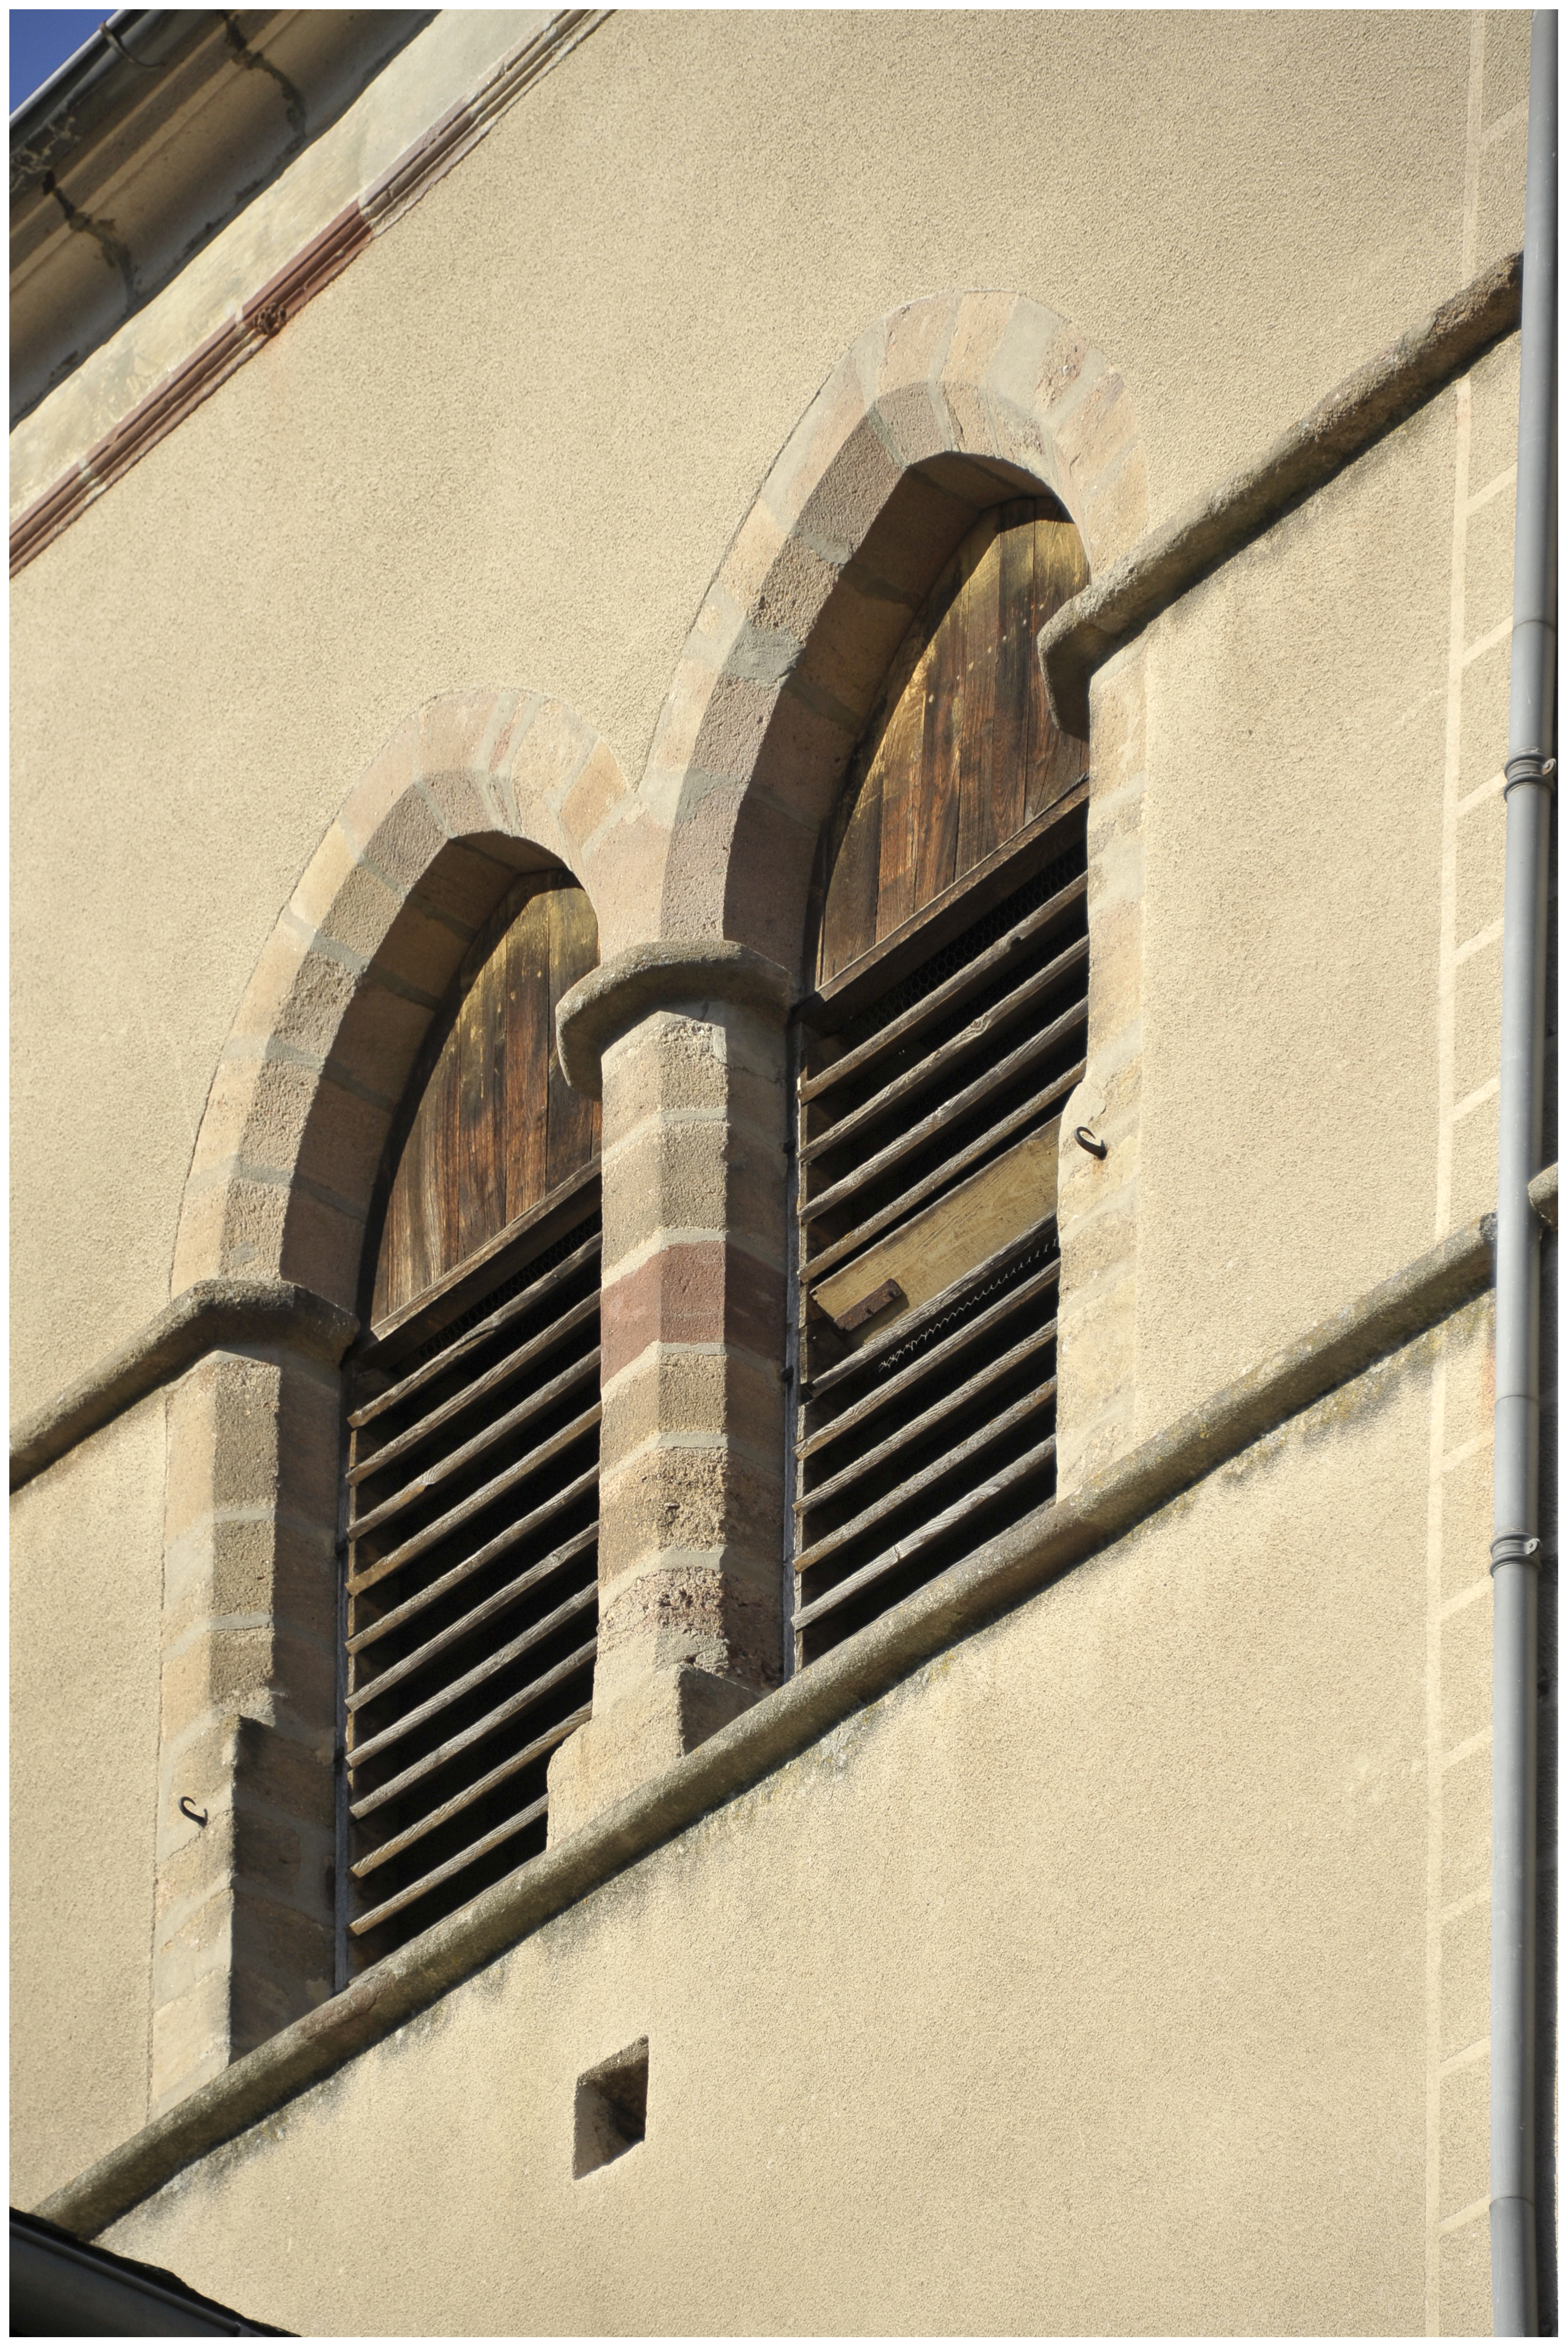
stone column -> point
(244, 1918)
(686, 1043)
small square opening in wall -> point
(611, 2109)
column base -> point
(650, 1726)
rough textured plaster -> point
(87, 1584)
(544, 456)
(929, 2087)
(1292, 837)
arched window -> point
(950, 953)
(471, 1592)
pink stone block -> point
(599, 789)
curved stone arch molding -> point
(948, 403)
(471, 789)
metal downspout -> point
(1516, 1544)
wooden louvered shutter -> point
(473, 1470)
(947, 1027)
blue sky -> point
(43, 38)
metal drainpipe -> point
(1516, 1544)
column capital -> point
(664, 974)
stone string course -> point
(998, 1578)
(1356, 414)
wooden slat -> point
(469, 1856)
(529, 1012)
(937, 1358)
(559, 1500)
(903, 1331)
(1055, 759)
(972, 1446)
(479, 1042)
(475, 1503)
(929, 1128)
(492, 1608)
(477, 1151)
(533, 1693)
(958, 1398)
(543, 1398)
(970, 670)
(476, 1791)
(960, 748)
(493, 1381)
(577, 1603)
(909, 1200)
(947, 996)
(573, 949)
(526, 1300)
(940, 1063)
(908, 1550)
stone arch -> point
(472, 788)
(948, 405)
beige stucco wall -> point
(544, 450)
(1085, 1983)
(1226, 2005)
(1321, 926)
(86, 1582)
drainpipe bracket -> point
(1513, 1548)
(1529, 766)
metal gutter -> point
(1516, 1527)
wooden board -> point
(942, 1242)
(493, 1128)
(961, 752)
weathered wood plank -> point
(863, 982)
(961, 751)
(1056, 758)
(573, 952)
(924, 1255)
(496, 1128)
(907, 1201)
(526, 1300)
(901, 1331)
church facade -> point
(759, 843)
